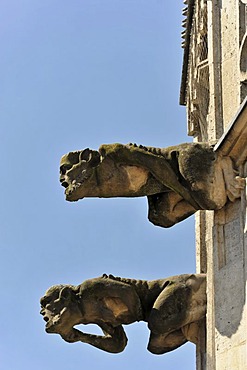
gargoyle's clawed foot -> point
(239, 182)
(235, 187)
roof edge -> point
(187, 23)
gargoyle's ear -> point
(90, 156)
(195, 281)
(85, 154)
(65, 293)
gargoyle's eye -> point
(64, 168)
(50, 297)
(44, 301)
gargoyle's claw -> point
(239, 182)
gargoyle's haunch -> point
(178, 180)
(172, 307)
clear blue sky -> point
(77, 74)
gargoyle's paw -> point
(235, 188)
(239, 182)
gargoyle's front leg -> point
(113, 342)
(167, 209)
(157, 165)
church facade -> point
(214, 90)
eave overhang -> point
(187, 24)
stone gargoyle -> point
(177, 180)
(172, 308)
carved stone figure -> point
(177, 180)
(172, 307)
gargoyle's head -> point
(77, 169)
(60, 309)
(89, 173)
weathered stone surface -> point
(172, 307)
(214, 89)
(221, 250)
(177, 180)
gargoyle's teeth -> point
(63, 310)
(76, 183)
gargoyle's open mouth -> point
(47, 318)
(65, 184)
(51, 323)
(77, 183)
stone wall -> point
(221, 239)
(215, 62)
(216, 80)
